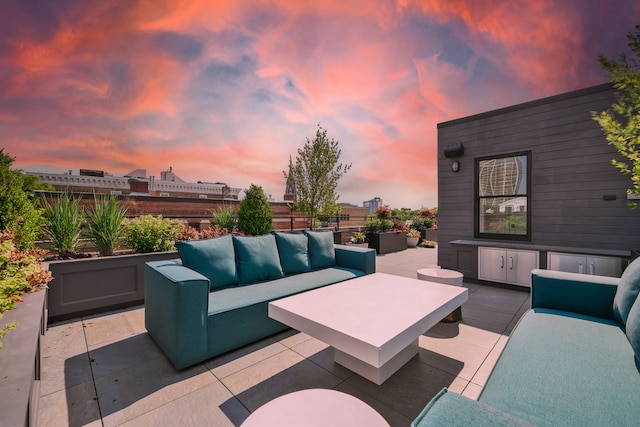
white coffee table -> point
(373, 322)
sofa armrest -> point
(573, 292)
(452, 409)
(176, 305)
(355, 257)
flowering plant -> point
(20, 273)
(411, 232)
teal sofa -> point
(214, 298)
(572, 360)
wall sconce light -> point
(455, 166)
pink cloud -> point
(227, 91)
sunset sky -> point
(228, 90)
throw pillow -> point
(627, 292)
(257, 258)
(293, 249)
(322, 253)
(213, 258)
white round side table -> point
(315, 408)
(446, 277)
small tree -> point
(315, 176)
(254, 215)
(621, 124)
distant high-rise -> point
(372, 204)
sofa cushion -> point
(322, 253)
(293, 249)
(628, 290)
(231, 299)
(452, 409)
(213, 258)
(633, 329)
(562, 368)
(257, 258)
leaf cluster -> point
(18, 211)
(148, 233)
(20, 272)
(621, 123)
(105, 223)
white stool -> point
(446, 277)
(315, 407)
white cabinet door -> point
(491, 264)
(506, 265)
(519, 266)
(572, 263)
(585, 264)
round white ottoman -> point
(446, 277)
(315, 407)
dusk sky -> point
(228, 90)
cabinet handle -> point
(580, 268)
(502, 261)
(592, 269)
(510, 263)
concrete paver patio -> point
(105, 370)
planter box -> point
(388, 242)
(430, 234)
(93, 285)
(20, 358)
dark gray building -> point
(532, 186)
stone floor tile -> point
(283, 373)
(212, 405)
(109, 357)
(463, 334)
(237, 360)
(64, 339)
(456, 358)
(60, 372)
(291, 338)
(129, 393)
(472, 391)
(394, 418)
(322, 355)
(114, 326)
(409, 389)
(74, 406)
(480, 377)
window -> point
(502, 197)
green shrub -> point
(224, 217)
(105, 223)
(372, 224)
(148, 233)
(17, 211)
(20, 272)
(63, 220)
(254, 215)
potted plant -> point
(381, 233)
(96, 284)
(413, 236)
(358, 238)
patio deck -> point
(106, 371)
